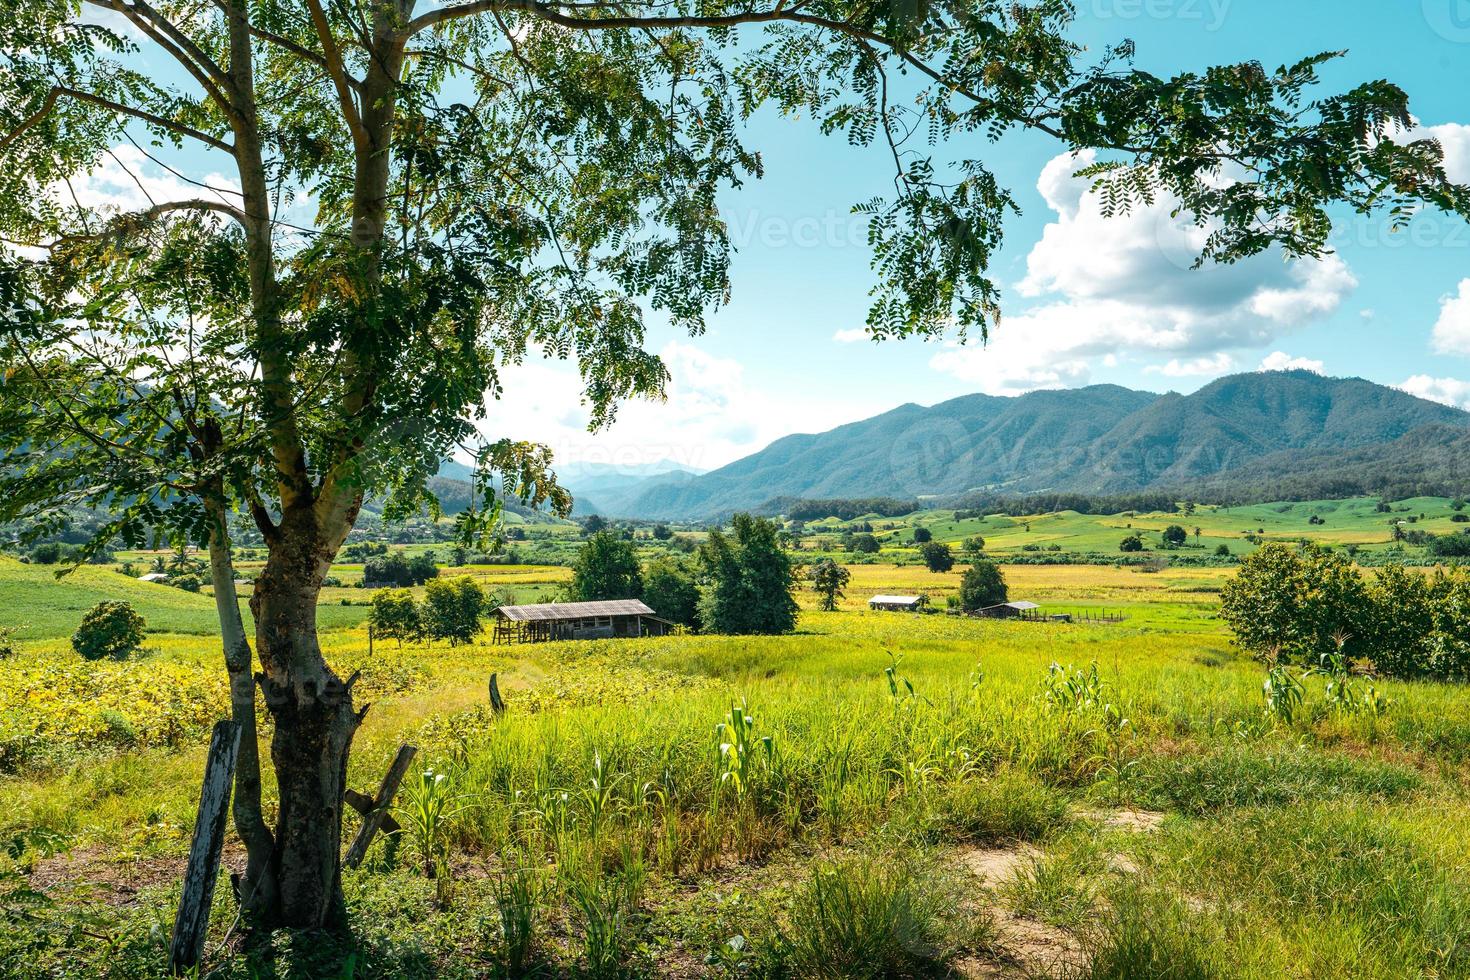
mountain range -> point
(1269, 431)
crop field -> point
(875, 795)
(1353, 521)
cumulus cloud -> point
(124, 179)
(1221, 363)
(1455, 139)
(713, 414)
(852, 336)
(1281, 361)
(1452, 329)
(1448, 391)
(1124, 285)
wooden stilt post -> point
(191, 925)
(375, 816)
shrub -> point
(1175, 535)
(189, 583)
(109, 629)
(1222, 551)
(7, 644)
(662, 532)
(922, 535)
(1131, 543)
(864, 544)
(982, 585)
(1296, 602)
(937, 556)
(864, 917)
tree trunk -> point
(314, 725)
(256, 890)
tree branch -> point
(338, 73)
(49, 103)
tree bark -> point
(257, 888)
(314, 723)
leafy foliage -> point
(937, 556)
(606, 568)
(828, 581)
(750, 580)
(670, 589)
(982, 585)
(453, 608)
(395, 615)
(109, 630)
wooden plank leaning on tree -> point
(191, 925)
(375, 815)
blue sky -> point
(1086, 300)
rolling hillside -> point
(1265, 427)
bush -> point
(1131, 543)
(864, 544)
(189, 583)
(1175, 535)
(922, 535)
(109, 629)
(1222, 550)
(1298, 602)
(7, 644)
(864, 917)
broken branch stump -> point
(186, 948)
(374, 812)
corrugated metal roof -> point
(894, 600)
(575, 610)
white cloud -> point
(1449, 391)
(853, 336)
(1221, 363)
(1124, 285)
(1455, 139)
(124, 179)
(1282, 361)
(712, 415)
(1452, 329)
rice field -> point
(875, 795)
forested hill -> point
(1268, 428)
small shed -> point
(577, 621)
(1020, 609)
(896, 603)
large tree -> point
(411, 195)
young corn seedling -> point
(1282, 690)
(742, 753)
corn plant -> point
(1343, 693)
(600, 796)
(1066, 689)
(430, 804)
(742, 753)
(1282, 690)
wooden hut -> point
(1012, 610)
(896, 603)
(576, 621)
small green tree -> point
(922, 535)
(662, 532)
(1131, 543)
(606, 568)
(750, 580)
(829, 579)
(109, 629)
(982, 586)
(937, 556)
(593, 524)
(395, 615)
(671, 591)
(1296, 602)
(452, 609)
(1175, 535)
(1222, 551)
(974, 547)
(864, 544)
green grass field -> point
(1352, 522)
(1150, 822)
